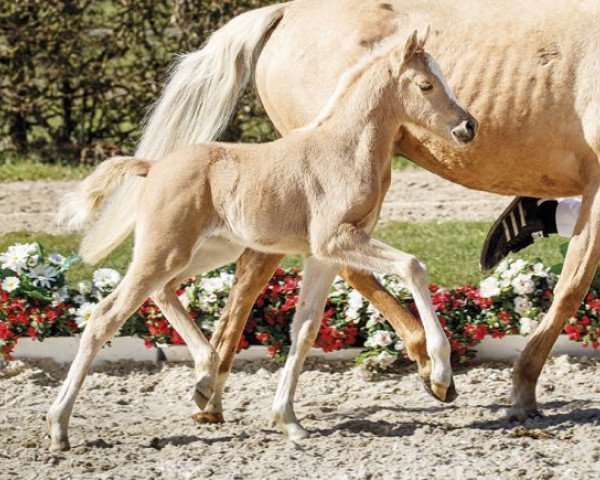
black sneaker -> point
(524, 220)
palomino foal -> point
(316, 192)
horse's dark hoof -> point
(521, 414)
(441, 392)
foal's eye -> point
(425, 86)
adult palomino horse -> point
(529, 75)
(287, 196)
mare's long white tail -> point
(195, 107)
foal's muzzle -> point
(466, 130)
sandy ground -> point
(132, 421)
(415, 195)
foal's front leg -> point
(318, 277)
(352, 246)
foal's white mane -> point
(380, 51)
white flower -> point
(10, 283)
(399, 346)
(528, 326)
(517, 265)
(522, 305)
(523, 284)
(382, 338)
(84, 287)
(489, 288)
(33, 260)
(83, 314)
(106, 278)
(16, 256)
(352, 314)
(385, 360)
(185, 300)
(539, 270)
(56, 259)
(502, 266)
(355, 300)
(212, 284)
(43, 275)
(59, 296)
(79, 299)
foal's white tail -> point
(195, 107)
(80, 206)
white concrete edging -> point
(181, 353)
(509, 348)
(64, 349)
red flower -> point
(176, 339)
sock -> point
(547, 212)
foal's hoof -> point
(204, 418)
(203, 392)
(60, 445)
(521, 414)
(446, 394)
(290, 426)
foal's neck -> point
(363, 115)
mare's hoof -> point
(204, 418)
(521, 414)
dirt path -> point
(133, 422)
(415, 195)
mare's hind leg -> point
(107, 318)
(252, 272)
(408, 328)
(317, 279)
(579, 268)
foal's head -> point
(426, 98)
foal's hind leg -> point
(317, 279)
(107, 318)
(579, 268)
(206, 359)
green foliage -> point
(78, 76)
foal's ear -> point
(402, 54)
(411, 46)
(422, 38)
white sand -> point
(133, 422)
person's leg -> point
(524, 220)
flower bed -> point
(37, 302)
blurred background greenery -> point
(77, 77)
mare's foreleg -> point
(578, 271)
(408, 328)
